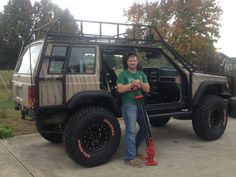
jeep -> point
(66, 82)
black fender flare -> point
(104, 97)
(202, 89)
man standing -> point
(129, 82)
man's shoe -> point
(135, 163)
(140, 156)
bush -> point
(5, 132)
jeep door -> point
(50, 80)
(66, 70)
(165, 79)
(82, 73)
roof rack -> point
(103, 32)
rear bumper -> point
(25, 111)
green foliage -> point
(44, 11)
(5, 93)
(8, 115)
(19, 18)
(5, 103)
(190, 26)
(3, 113)
(5, 132)
(7, 78)
(14, 28)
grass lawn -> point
(8, 116)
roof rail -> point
(110, 32)
(104, 32)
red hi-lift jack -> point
(150, 148)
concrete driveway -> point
(179, 153)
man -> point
(129, 83)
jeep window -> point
(30, 58)
(56, 66)
(163, 77)
(59, 51)
(155, 59)
(82, 60)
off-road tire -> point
(92, 136)
(52, 137)
(210, 119)
(159, 122)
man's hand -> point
(136, 84)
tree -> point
(14, 28)
(19, 18)
(158, 14)
(44, 11)
(190, 26)
(196, 28)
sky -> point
(112, 11)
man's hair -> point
(131, 53)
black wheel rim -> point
(214, 119)
(95, 137)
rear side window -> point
(82, 60)
(59, 51)
(57, 59)
(56, 66)
(29, 59)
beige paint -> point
(198, 78)
(51, 89)
(21, 83)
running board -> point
(177, 114)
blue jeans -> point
(133, 140)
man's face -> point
(132, 62)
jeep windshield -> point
(29, 58)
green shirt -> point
(127, 77)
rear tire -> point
(210, 119)
(159, 122)
(92, 136)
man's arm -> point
(121, 88)
(136, 84)
(145, 86)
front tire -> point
(210, 119)
(92, 136)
